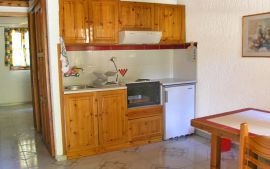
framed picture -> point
(256, 35)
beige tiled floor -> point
(21, 147)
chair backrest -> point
(254, 151)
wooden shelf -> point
(90, 47)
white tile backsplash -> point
(153, 64)
(184, 64)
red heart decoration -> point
(123, 71)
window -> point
(17, 48)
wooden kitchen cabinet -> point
(103, 21)
(136, 16)
(81, 121)
(100, 21)
(95, 122)
(112, 107)
(74, 26)
(145, 124)
(170, 20)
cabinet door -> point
(104, 21)
(112, 107)
(74, 21)
(136, 16)
(145, 129)
(81, 122)
(170, 20)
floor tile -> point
(22, 148)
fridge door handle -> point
(166, 97)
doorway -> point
(25, 54)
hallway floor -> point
(22, 148)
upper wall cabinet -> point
(100, 21)
(103, 21)
(74, 17)
(170, 20)
(136, 16)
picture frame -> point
(256, 35)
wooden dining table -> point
(227, 125)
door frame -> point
(32, 8)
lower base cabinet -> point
(145, 124)
(98, 122)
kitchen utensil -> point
(100, 75)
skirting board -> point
(61, 157)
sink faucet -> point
(113, 59)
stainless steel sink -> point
(82, 87)
(79, 87)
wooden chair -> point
(254, 151)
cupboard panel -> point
(170, 20)
(112, 107)
(146, 128)
(104, 22)
(81, 122)
(136, 16)
(74, 21)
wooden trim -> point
(215, 151)
(34, 76)
(141, 112)
(13, 14)
(14, 3)
(48, 84)
(32, 4)
(90, 47)
(243, 135)
(15, 68)
(256, 14)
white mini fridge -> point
(179, 105)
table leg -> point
(215, 152)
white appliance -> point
(179, 105)
(139, 37)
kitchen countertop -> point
(97, 89)
(174, 81)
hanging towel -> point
(64, 59)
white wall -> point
(151, 64)
(226, 81)
(53, 40)
(15, 85)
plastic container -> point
(226, 145)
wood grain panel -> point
(43, 75)
(81, 122)
(148, 111)
(74, 26)
(112, 106)
(136, 16)
(146, 128)
(15, 3)
(104, 22)
(170, 20)
(253, 150)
